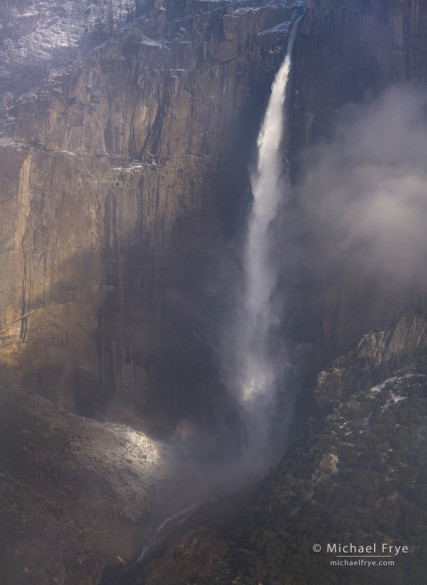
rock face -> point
(347, 53)
(347, 466)
(38, 36)
(75, 494)
(122, 174)
(123, 180)
(117, 173)
(122, 177)
(355, 474)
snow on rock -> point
(396, 380)
(38, 34)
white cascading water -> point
(251, 370)
(254, 369)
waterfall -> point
(254, 368)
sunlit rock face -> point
(116, 173)
(76, 494)
(348, 52)
(122, 177)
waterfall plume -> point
(254, 368)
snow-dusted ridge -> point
(42, 26)
(38, 36)
(41, 34)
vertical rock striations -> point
(116, 173)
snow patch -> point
(46, 33)
(393, 380)
(129, 169)
(11, 143)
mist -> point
(361, 204)
(364, 192)
(253, 361)
(362, 201)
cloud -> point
(365, 190)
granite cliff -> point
(124, 172)
(119, 173)
(124, 184)
(348, 53)
(355, 474)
